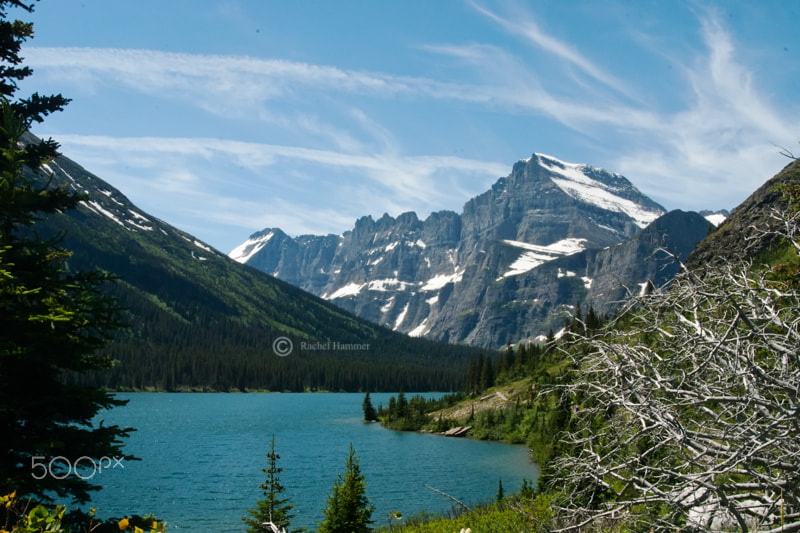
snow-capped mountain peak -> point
(613, 193)
(251, 246)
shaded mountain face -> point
(510, 266)
(200, 320)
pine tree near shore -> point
(348, 509)
(272, 508)
(370, 414)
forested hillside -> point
(200, 321)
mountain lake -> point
(202, 455)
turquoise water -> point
(202, 456)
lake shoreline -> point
(202, 455)
(211, 390)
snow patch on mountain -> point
(202, 246)
(393, 284)
(249, 248)
(378, 285)
(97, 208)
(716, 218)
(535, 255)
(138, 216)
(135, 224)
(420, 330)
(351, 289)
(387, 284)
(574, 181)
(388, 305)
(401, 317)
(437, 282)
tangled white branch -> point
(687, 408)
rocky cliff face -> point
(510, 266)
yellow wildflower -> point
(8, 499)
(123, 524)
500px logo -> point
(60, 467)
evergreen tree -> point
(473, 375)
(522, 356)
(272, 508)
(550, 341)
(487, 374)
(510, 356)
(592, 320)
(533, 353)
(348, 509)
(53, 322)
(392, 409)
(501, 495)
(527, 490)
(370, 415)
(502, 359)
(402, 404)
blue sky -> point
(224, 117)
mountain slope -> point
(201, 320)
(469, 277)
(729, 242)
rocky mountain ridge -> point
(510, 266)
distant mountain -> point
(510, 266)
(716, 217)
(200, 320)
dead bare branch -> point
(462, 504)
(689, 419)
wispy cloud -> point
(721, 143)
(722, 134)
(718, 137)
(241, 85)
(211, 80)
(188, 168)
(524, 25)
